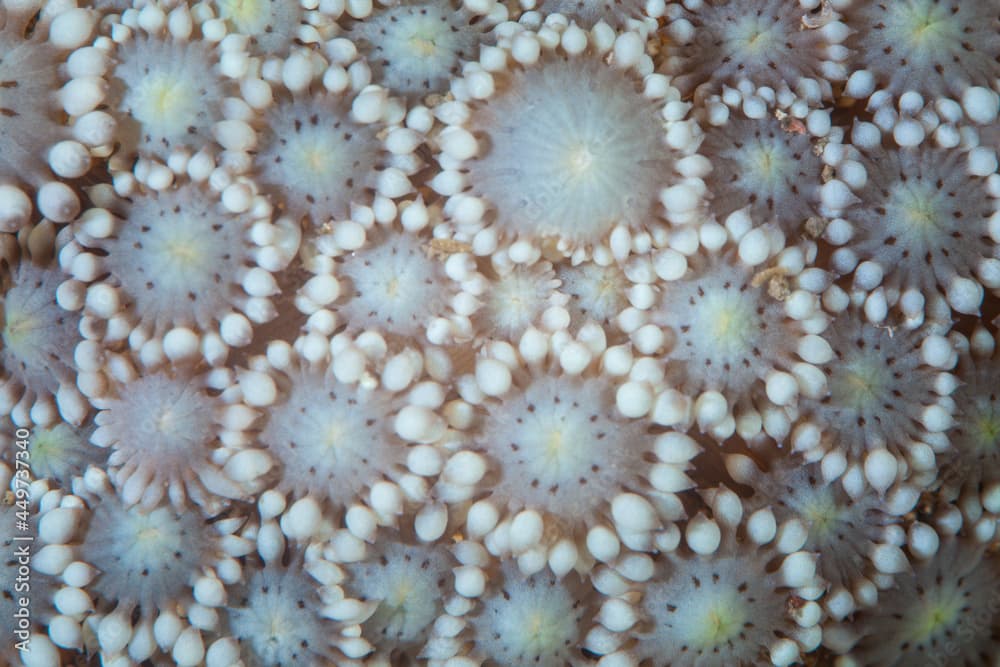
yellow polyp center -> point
(17, 331)
(720, 624)
(921, 215)
(402, 593)
(422, 46)
(315, 160)
(554, 445)
(988, 431)
(184, 255)
(164, 100)
(164, 422)
(245, 14)
(334, 435)
(935, 618)
(857, 386)
(579, 161)
(822, 515)
(148, 534)
(45, 444)
(535, 627)
(392, 288)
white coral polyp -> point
(633, 14)
(49, 515)
(179, 274)
(970, 468)
(556, 143)
(769, 43)
(922, 221)
(38, 369)
(317, 168)
(61, 452)
(338, 443)
(321, 140)
(536, 620)
(167, 88)
(888, 392)
(279, 616)
(166, 431)
(137, 581)
(946, 609)
(854, 531)
(36, 146)
(728, 596)
(414, 48)
(767, 156)
(742, 332)
(408, 586)
(272, 25)
(395, 285)
(562, 464)
(596, 292)
(936, 49)
(518, 297)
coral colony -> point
(512, 333)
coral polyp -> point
(924, 224)
(393, 285)
(936, 49)
(409, 583)
(529, 621)
(176, 259)
(272, 25)
(164, 97)
(768, 42)
(332, 439)
(560, 146)
(38, 336)
(585, 165)
(275, 617)
(944, 613)
(322, 168)
(414, 48)
(719, 600)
